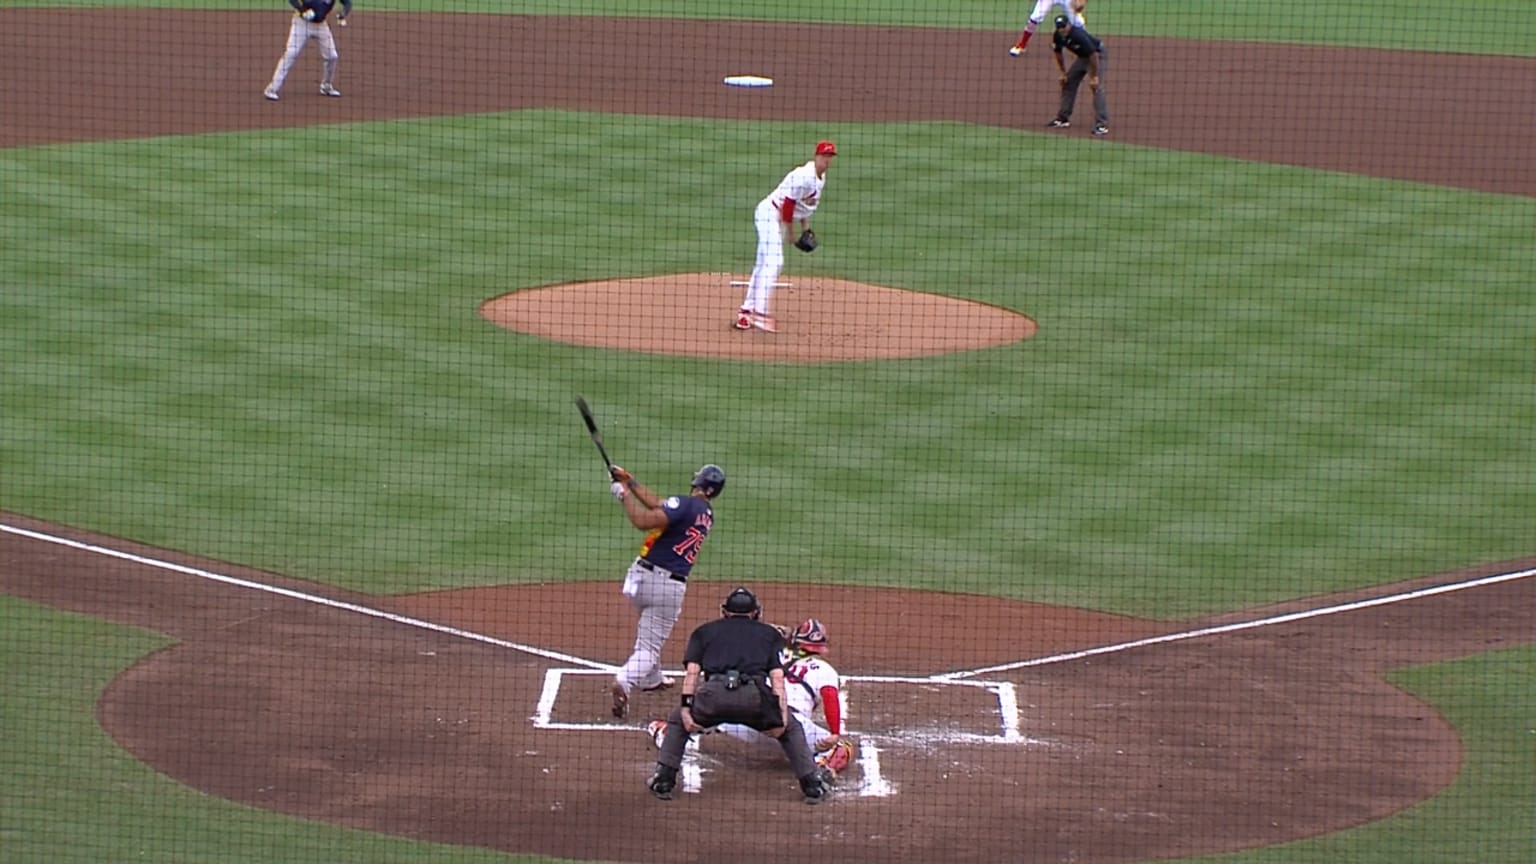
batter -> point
(676, 528)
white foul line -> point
(1241, 625)
(957, 677)
(312, 598)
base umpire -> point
(733, 676)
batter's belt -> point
(660, 571)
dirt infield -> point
(1403, 114)
(1201, 745)
(819, 319)
(301, 705)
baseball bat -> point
(597, 437)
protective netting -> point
(1157, 479)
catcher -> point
(810, 682)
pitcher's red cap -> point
(826, 148)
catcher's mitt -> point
(835, 754)
(807, 241)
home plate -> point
(748, 81)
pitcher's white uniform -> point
(794, 200)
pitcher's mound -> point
(820, 320)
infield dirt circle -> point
(819, 319)
(303, 704)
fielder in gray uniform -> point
(676, 528)
(309, 23)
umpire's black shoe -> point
(663, 782)
(815, 788)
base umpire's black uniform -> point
(733, 676)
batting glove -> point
(618, 490)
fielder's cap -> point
(1062, 21)
(826, 148)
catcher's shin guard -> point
(838, 758)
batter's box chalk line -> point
(872, 782)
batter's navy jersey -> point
(676, 546)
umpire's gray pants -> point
(1075, 75)
(801, 760)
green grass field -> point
(1251, 383)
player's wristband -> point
(687, 700)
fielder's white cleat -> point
(270, 94)
(743, 320)
(328, 90)
(1015, 50)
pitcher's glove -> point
(807, 241)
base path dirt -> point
(143, 73)
(496, 732)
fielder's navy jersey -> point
(676, 546)
(322, 7)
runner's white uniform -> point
(1044, 7)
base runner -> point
(1037, 17)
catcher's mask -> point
(710, 478)
(810, 636)
(742, 603)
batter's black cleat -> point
(620, 700)
(815, 787)
(663, 782)
(1058, 123)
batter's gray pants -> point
(658, 600)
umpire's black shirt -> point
(750, 647)
(1078, 41)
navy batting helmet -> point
(741, 602)
(1062, 21)
(710, 478)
